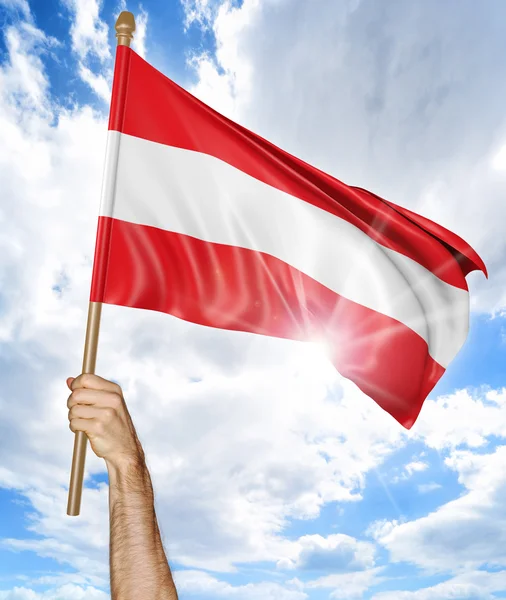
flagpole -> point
(125, 26)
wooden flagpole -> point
(125, 26)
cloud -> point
(197, 582)
(347, 586)
(98, 83)
(62, 593)
(139, 41)
(499, 160)
(88, 33)
(442, 591)
(425, 488)
(18, 5)
(464, 533)
(415, 466)
(90, 42)
(462, 418)
(336, 553)
(22, 78)
(224, 80)
(474, 585)
(79, 543)
(267, 472)
(199, 12)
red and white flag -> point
(202, 219)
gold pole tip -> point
(125, 26)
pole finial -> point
(125, 26)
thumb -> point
(69, 382)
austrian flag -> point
(204, 220)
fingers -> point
(87, 411)
(88, 388)
(93, 382)
(89, 426)
(95, 397)
(89, 419)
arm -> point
(138, 565)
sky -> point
(275, 478)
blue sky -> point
(275, 478)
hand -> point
(97, 407)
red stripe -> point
(464, 254)
(238, 289)
(157, 109)
(119, 88)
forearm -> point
(139, 567)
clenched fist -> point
(97, 407)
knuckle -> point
(109, 413)
(116, 400)
(77, 383)
(86, 379)
(78, 394)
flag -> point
(202, 219)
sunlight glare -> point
(314, 359)
(499, 160)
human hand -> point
(97, 407)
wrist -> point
(124, 462)
(128, 471)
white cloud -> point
(139, 41)
(197, 582)
(462, 418)
(22, 79)
(199, 12)
(98, 83)
(90, 40)
(466, 533)
(347, 586)
(425, 488)
(499, 159)
(415, 466)
(58, 579)
(336, 553)
(80, 543)
(442, 591)
(227, 88)
(20, 5)
(268, 471)
(89, 34)
(62, 593)
(473, 585)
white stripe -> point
(199, 195)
